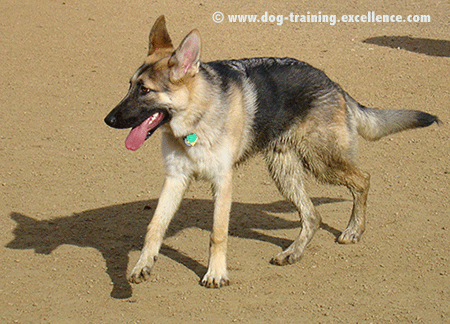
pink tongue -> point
(139, 133)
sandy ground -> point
(75, 203)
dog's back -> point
(288, 92)
(285, 90)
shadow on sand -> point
(117, 230)
(432, 47)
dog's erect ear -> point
(159, 36)
(185, 61)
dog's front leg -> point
(217, 275)
(171, 195)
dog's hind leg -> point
(358, 182)
(287, 171)
(336, 169)
(168, 203)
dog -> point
(215, 115)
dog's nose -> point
(111, 120)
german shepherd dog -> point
(215, 115)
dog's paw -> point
(285, 258)
(349, 236)
(215, 280)
(141, 271)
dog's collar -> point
(191, 139)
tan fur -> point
(236, 123)
(339, 124)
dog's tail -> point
(372, 124)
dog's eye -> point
(144, 90)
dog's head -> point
(160, 87)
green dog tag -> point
(191, 139)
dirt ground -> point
(75, 203)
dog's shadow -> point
(117, 230)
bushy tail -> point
(372, 124)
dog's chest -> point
(208, 164)
(201, 160)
